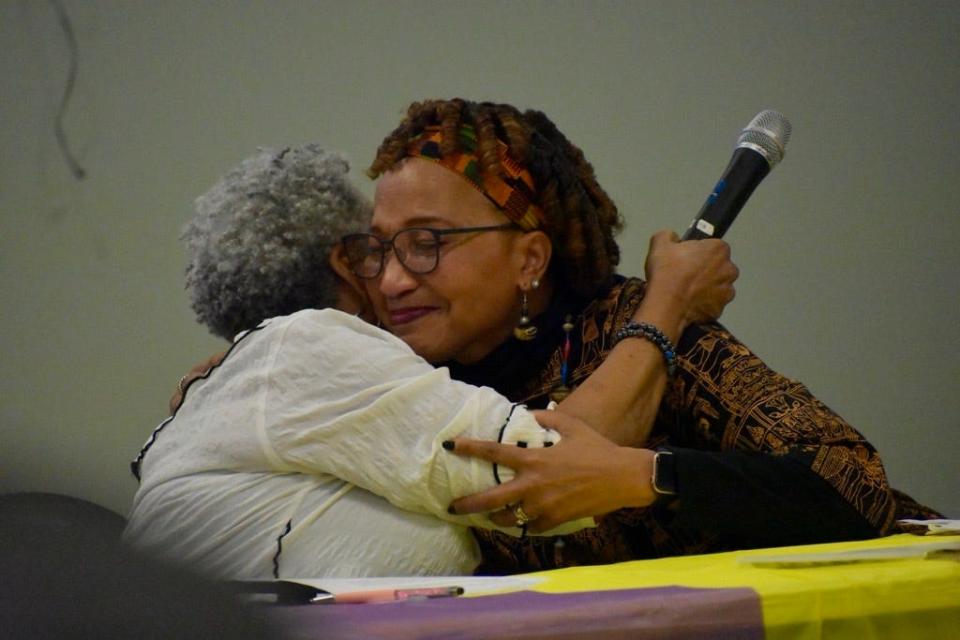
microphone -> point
(760, 147)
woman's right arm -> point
(347, 399)
(687, 283)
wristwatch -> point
(664, 478)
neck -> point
(513, 364)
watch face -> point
(664, 473)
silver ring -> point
(521, 516)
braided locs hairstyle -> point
(581, 219)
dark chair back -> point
(64, 574)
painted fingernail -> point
(448, 445)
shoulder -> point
(334, 335)
(325, 324)
(627, 291)
(306, 319)
(614, 305)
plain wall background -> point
(848, 250)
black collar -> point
(513, 364)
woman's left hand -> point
(583, 475)
(197, 371)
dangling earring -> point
(525, 330)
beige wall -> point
(848, 250)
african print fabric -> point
(513, 192)
(723, 398)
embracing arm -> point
(349, 400)
(197, 371)
(374, 414)
(408, 408)
(584, 475)
(688, 283)
(760, 458)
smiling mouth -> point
(405, 316)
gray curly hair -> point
(259, 244)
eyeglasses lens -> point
(416, 249)
(365, 254)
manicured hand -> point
(583, 475)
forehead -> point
(421, 192)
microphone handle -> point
(743, 173)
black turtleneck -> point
(510, 367)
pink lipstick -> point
(408, 314)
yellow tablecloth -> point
(903, 598)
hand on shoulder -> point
(583, 475)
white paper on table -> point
(472, 585)
(918, 550)
(936, 527)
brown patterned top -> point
(723, 398)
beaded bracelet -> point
(646, 330)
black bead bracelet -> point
(646, 330)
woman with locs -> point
(491, 251)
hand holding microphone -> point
(692, 279)
(691, 283)
(701, 275)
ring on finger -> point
(521, 516)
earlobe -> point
(341, 266)
(352, 295)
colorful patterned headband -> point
(513, 194)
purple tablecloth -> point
(667, 612)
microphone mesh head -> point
(767, 134)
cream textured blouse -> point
(314, 449)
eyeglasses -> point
(417, 249)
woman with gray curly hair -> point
(307, 450)
(259, 245)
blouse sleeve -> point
(759, 456)
(349, 400)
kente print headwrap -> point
(513, 194)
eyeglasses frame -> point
(388, 244)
